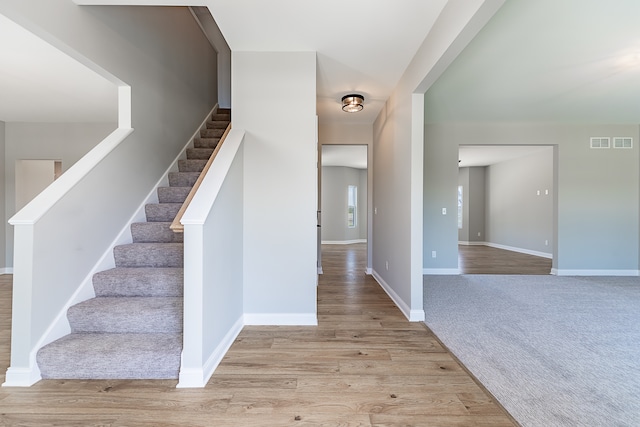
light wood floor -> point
(364, 365)
(488, 260)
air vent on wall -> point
(600, 142)
(622, 142)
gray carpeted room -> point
(554, 351)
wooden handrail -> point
(176, 225)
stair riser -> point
(173, 194)
(112, 356)
(183, 179)
(139, 282)
(154, 232)
(211, 133)
(206, 142)
(162, 212)
(149, 255)
(221, 117)
(199, 153)
(192, 164)
(127, 315)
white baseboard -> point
(520, 250)
(343, 242)
(8, 270)
(198, 378)
(368, 271)
(320, 270)
(567, 272)
(281, 319)
(411, 315)
(23, 377)
(466, 243)
(440, 271)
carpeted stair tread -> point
(141, 281)
(122, 315)
(183, 179)
(211, 133)
(205, 142)
(162, 212)
(173, 194)
(149, 255)
(193, 164)
(217, 124)
(154, 232)
(112, 356)
(199, 153)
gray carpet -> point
(133, 327)
(555, 351)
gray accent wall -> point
(335, 180)
(596, 192)
(519, 203)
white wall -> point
(398, 156)
(519, 203)
(66, 142)
(335, 180)
(274, 97)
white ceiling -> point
(362, 46)
(39, 83)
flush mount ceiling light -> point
(352, 103)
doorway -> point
(344, 197)
(506, 204)
(33, 176)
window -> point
(352, 206)
(459, 206)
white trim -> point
(8, 270)
(520, 250)
(368, 271)
(320, 271)
(440, 271)
(411, 315)
(566, 272)
(36, 208)
(343, 242)
(198, 378)
(23, 377)
(466, 243)
(281, 319)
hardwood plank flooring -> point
(488, 260)
(363, 365)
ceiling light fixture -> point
(352, 103)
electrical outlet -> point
(433, 254)
(478, 234)
(375, 211)
(546, 243)
(444, 211)
(386, 265)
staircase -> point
(132, 329)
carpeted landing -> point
(555, 351)
(132, 329)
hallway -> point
(363, 365)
